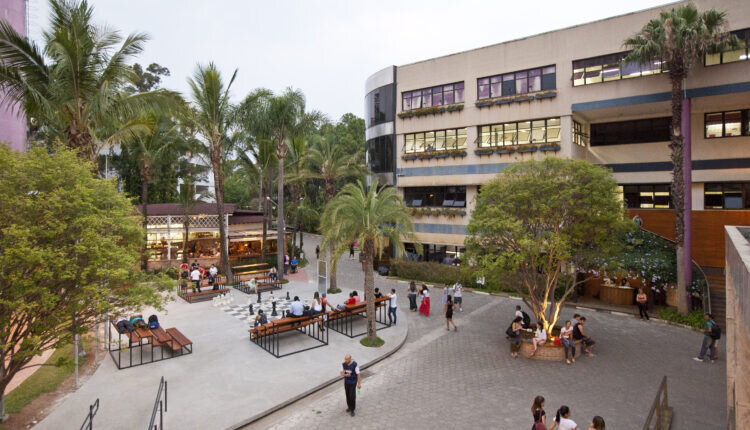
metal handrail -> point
(160, 406)
(706, 294)
(88, 423)
(659, 407)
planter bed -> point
(548, 351)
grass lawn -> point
(377, 344)
(44, 380)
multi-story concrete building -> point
(13, 124)
(440, 128)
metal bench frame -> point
(344, 323)
(270, 340)
(116, 352)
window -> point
(523, 82)
(728, 195)
(439, 140)
(379, 105)
(454, 197)
(579, 137)
(732, 55)
(519, 133)
(611, 67)
(635, 131)
(727, 124)
(380, 151)
(647, 196)
(442, 95)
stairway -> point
(717, 284)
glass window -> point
(440, 140)
(416, 99)
(509, 85)
(437, 97)
(380, 154)
(409, 143)
(407, 102)
(733, 123)
(483, 88)
(727, 124)
(484, 137)
(651, 68)
(535, 80)
(537, 131)
(419, 142)
(522, 84)
(631, 70)
(712, 197)
(549, 78)
(578, 72)
(450, 139)
(427, 97)
(593, 74)
(611, 68)
(461, 138)
(733, 196)
(429, 141)
(578, 136)
(495, 86)
(497, 134)
(713, 59)
(625, 132)
(524, 132)
(448, 98)
(631, 196)
(661, 196)
(510, 134)
(433, 97)
(747, 195)
(646, 195)
(458, 92)
(553, 130)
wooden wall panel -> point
(708, 230)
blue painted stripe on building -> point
(716, 90)
(461, 169)
(666, 166)
(440, 228)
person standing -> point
(317, 252)
(412, 296)
(392, 306)
(537, 412)
(597, 423)
(515, 336)
(424, 308)
(352, 382)
(566, 338)
(449, 314)
(195, 276)
(458, 295)
(642, 300)
(709, 339)
(351, 251)
(286, 263)
(563, 421)
(445, 294)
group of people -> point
(572, 331)
(293, 262)
(196, 273)
(562, 420)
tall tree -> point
(375, 217)
(211, 118)
(328, 161)
(281, 118)
(73, 88)
(151, 149)
(680, 37)
(187, 198)
(296, 169)
(69, 246)
(146, 80)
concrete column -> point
(687, 175)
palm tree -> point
(283, 117)
(329, 162)
(296, 175)
(187, 199)
(74, 87)
(680, 37)
(211, 118)
(373, 217)
(150, 150)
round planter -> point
(548, 351)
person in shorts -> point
(580, 334)
(458, 296)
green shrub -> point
(376, 344)
(694, 319)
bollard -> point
(258, 296)
(251, 309)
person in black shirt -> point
(580, 334)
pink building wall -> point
(13, 125)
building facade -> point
(12, 121)
(458, 120)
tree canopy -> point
(538, 221)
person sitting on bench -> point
(294, 264)
(350, 301)
(272, 274)
(378, 294)
(296, 309)
(260, 319)
(123, 324)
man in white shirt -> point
(458, 296)
(195, 276)
(296, 309)
(392, 307)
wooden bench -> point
(262, 287)
(251, 266)
(147, 345)
(203, 295)
(267, 335)
(161, 337)
(341, 320)
(179, 340)
(204, 284)
(246, 276)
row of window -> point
(727, 124)
(520, 133)
(729, 195)
(508, 84)
(730, 56)
(634, 131)
(451, 197)
(612, 67)
(442, 95)
(440, 140)
(647, 196)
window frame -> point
(435, 196)
(744, 190)
(641, 189)
(501, 79)
(744, 123)
(596, 66)
(598, 131)
(513, 127)
(457, 88)
(447, 137)
(742, 34)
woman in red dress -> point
(424, 308)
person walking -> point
(710, 332)
(352, 382)
(317, 252)
(537, 411)
(351, 251)
(514, 334)
(412, 296)
(597, 423)
(566, 338)
(458, 295)
(642, 300)
(392, 307)
(563, 421)
(449, 314)
(286, 263)
(445, 294)
(424, 308)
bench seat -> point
(282, 325)
(179, 340)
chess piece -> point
(287, 295)
(251, 309)
(273, 310)
(258, 296)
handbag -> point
(538, 424)
(509, 331)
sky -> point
(326, 48)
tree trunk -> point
(301, 236)
(186, 223)
(144, 203)
(264, 194)
(295, 199)
(678, 186)
(330, 187)
(219, 190)
(369, 251)
(280, 230)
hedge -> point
(425, 271)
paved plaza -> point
(467, 379)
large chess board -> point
(240, 311)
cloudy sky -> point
(327, 48)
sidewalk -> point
(227, 381)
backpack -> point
(526, 319)
(715, 332)
(153, 322)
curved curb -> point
(313, 390)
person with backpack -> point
(712, 333)
(525, 318)
(514, 334)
